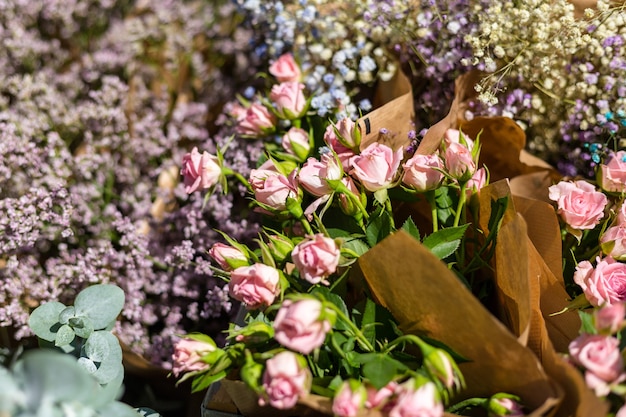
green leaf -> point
(445, 199)
(410, 227)
(102, 303)
(586, 323)
(202, 382)
(67, 314)
(87, 364)
(82, 326)
(367, 322)
(444, 242)
(44, 320)
(357, 246)
(111, 365)
(97, 347)
(64, 336)
(378, 228)
(380, 371)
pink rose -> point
(200, 170)
(610, 318)
(222, 253)
(578, 203)
(259, 175)
(346, 133)
(275, 191)
(422, 172)
(255, 285)
(459, 161)
(600, 357)
(296, 142)
(378, 398)
(344, 153)
(454, 136)
(505, 407)
(606, 284)
(187, 356)
(314, 173)
(257, 121)
(422, 402)
(285, 69)
(289, 99)
(298, 326)
(621, 214)
(613, 242)
(376, 167)
(348, 401)
(621, 412)
(612, 175)
(285, 379)
(478, 181)
(316, 258)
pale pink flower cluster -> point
(427, 172)
(395, 400)
(288, 101)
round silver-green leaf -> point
(44, 320)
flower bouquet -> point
(381, 259)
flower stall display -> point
(365, 232)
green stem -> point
(307, 226)
(430, 197)
(390, 210)
(404, 338)
(470, 402)
(355, 330)
(461, 206)
(238, 176)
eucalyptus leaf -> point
(88, 365)
(111, 366)
(64, 336)
(67, 314)
(82, 326)
(54, 377)
(97, 347)
(445, 242)
(119, 409)
(44, 320)
(102, 303)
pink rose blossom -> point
(345, 128)
(376, 167)
(259, 175)
(275, 191)
(222, 253)
(347, 402)
(200, 170)
(613, 242)
(314, 173)
(578, 203)
(316, 258)
(422, 172)
(187, 356)
(478, 181)
(288, 99)
(601, 358)
(610, 318)
(454, 136)
(257, 121)
(378, 398)
(459, 161)
(422, 402)
(255, 285)
(285, 380)
(344, 153)
(621, 412)
(612, 175)
(296, 142)
(298, 326)
(285, 69)
(606, 284)
(505, 407)
(621, 214)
